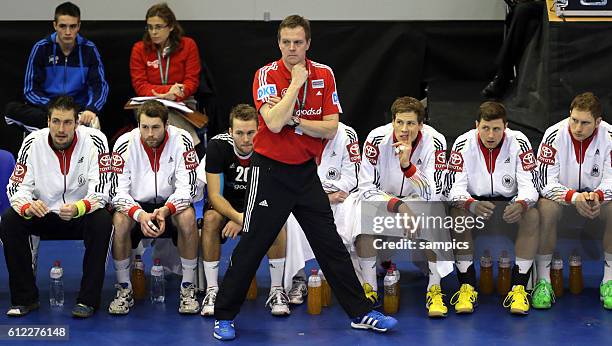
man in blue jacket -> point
(63, 63)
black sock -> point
(520, 279)
(469, 277)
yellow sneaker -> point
(371, 295)
(465, 299)
(517, 301)
(434, 303)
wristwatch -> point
(296, 121)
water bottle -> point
(396, 272)
(158, 289)
(486, 273)
(391, 298)
(138, 279)
(325, 291)
(56, 288)
(576, 283)
(556, 275)
(314, 293)
(504, 279)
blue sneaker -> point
(374, 320)
(224, 330)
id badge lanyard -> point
(162, 76)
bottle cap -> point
(394, 266)
(157, 262)
(138, 257)
(57, 263)
(314, 272)
(390, 271)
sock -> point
(122, 270)
(277, 269)
(189, 267)
(368, 270)
(521, 272)
(211, 271)
(434, 275)
(607, 268)
(543, 266)
(465, 270)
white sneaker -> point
(208, 304)
(298, 291)
(123, 300)
(278, 302)
(188, 303)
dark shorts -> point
(171, 231)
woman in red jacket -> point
(166, 64)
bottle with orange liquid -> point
(139, 285)
(486, 273)
(556, 275)
(575, 274)
(504, 275)
(325, 291)
(314, 293)
(391, 298)
(252, 292)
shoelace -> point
(462, 291)
(277, 295)
(516, 292)
(224, 325)
(542, 286)
(210, 295)
(435, 295)
(297, 288)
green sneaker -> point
(605, 293)
(542, 296)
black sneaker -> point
(82, 311)
(21, 310)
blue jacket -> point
(80, 74)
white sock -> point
(368, 270)
(211, 271)
(189, 267)
(543, 266)
(607, 268)
(277, 269)
(122, 270)
(523, 265)
(464, 262)
(434, 275)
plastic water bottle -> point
(576, 283)
(139, 284)
(56, 285)
(486, 273)
(556, 275)
(504, 279)
(325, 291)
(314, 293)
(391, 298)
(158, 288)
(396, 272)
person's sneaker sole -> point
(367, 326)
(519, 312)
(207, 312)
(464, 311)
(219, 337)
(281, 313)
(436, 314)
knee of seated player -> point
(549, 211)
(123, 224)
(212, 222)
(606, 212)
(186, 222)
(530, 222)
